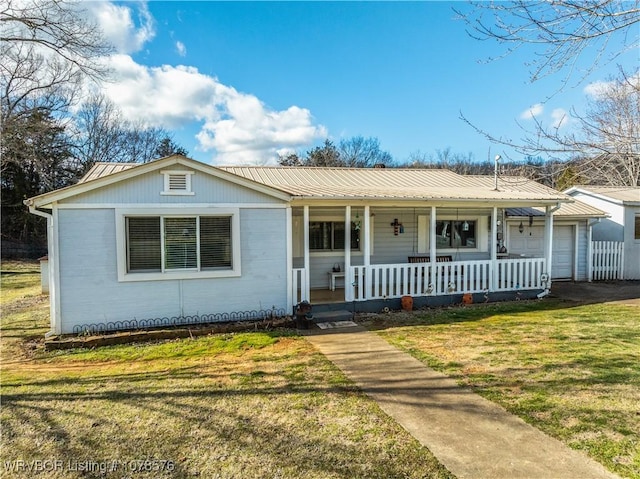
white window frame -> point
(173, 274)
(298, 236)
(167, 182)
(482, 233)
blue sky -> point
(240, 82)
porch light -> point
(465, 226)
(521, 228)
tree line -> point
(51, 133)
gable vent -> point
(177, 182)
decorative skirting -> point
(177, 321)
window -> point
(456, 234)
(637, 228)
(329, 236)
(195, 243)
(177, 183)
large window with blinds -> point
(156, 244)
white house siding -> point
(583, 252)
(619, 227)
(145, 189)
(90, 291)
(631, 245)
(608, 229)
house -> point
(176, 241)
(622, 204)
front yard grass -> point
(254, 405)
(571, 370)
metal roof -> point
(100, 169)
(626, 194)
(376, 183)
(578, 209)
(393, 183)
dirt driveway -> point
(624, 292)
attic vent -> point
(177, 183)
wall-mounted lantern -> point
(521, 228)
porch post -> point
(548, 241)
(494, 249)
(432, 247)
(289, 240)
(305, 220)
(366, 261)
(348, 287)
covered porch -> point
(370, 252)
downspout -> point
(549, 224)
(53, 264)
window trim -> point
(167, 191)
(333, 237)
(482, 232)
(121, 244)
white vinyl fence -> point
(607, 261)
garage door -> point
(531, 243)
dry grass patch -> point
(573, 371)
(251, 405)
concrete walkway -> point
(470, 436)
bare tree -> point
(56, 29)
(101, 133)
(604, 141)
(360, 152)
(562, 30)
(47, 49)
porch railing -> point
(520, 273)
(382, 281)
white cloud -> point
(238, 126)
(533, 111)
(600, 88)
(560, 117)
(596, 89)
(119, 27)
(181, 48)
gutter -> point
(52, 266)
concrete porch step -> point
(332, 316)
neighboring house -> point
(132, 244)
(622, 204)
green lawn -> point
(268, 405)
(253, 405)
(572, 371)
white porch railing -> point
(299, 286)
(520, 273)
(608, 260)
(423, 279)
